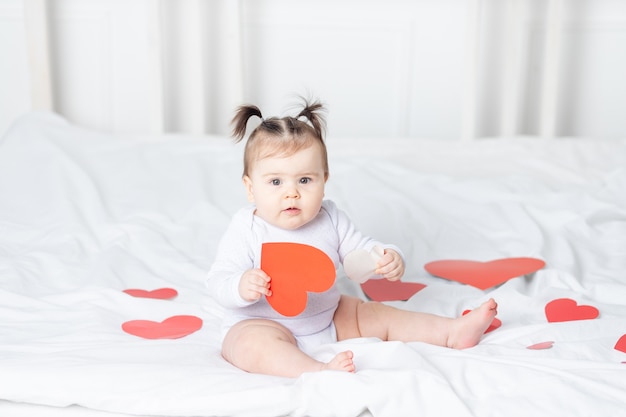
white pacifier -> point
(359, 265)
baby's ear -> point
(247, 182)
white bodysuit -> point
(239, 250)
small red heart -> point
(621, 344)
(566, 309)
(541, 345)
(172, 328)
(385, 290)
(495, 323)
(295, 269)
(160, 293)
(484, 275)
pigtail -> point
(314, 113)
(280, 136)
(240, 120)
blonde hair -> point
(280, 136)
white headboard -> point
(202, 59)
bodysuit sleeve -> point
(234, 257)
(350, 238)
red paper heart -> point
(160, 293)
(621, 344)
(295, 269)
(495, 323)
(385, 290)
(566, 309)
(541, 346)
(172, 328)
(484, 275)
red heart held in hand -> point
(171, 328)
(160, 293)
(566, 309)
(484, 275)
(495, 323)
(385, 290)
(621, 344)
(295, 269)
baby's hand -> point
(390, 265)
(254, 284)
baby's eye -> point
(275, 181)
(305, 180)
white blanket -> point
(85, 215)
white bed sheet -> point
(85, 215)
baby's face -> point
(288, 191)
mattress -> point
(86, 216)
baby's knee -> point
(247, 336)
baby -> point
(285, 172)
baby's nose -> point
(292, 192)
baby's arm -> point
(234, 260)
(390, 265)
(254, 284)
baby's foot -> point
(466, 331)
(341, 362)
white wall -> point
(399, 68)
(14, 78)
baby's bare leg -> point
(355, 318)
(266, 347)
